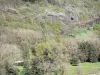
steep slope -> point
(41, 28)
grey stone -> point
(12, 10)
(67, 17)
(53, 13)
(19, 63)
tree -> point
(74, 61)
(87, 52)
(92, 53)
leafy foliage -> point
(10, 70)
(96, 26)
(41, 48)
(56, 28)
(88, 52)
(74, 61)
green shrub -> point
(96, 26)
(34, 68)
(10, 70)
(74, 61)
(41, 47)
(83, 51)
(56, 28)
(87, 52)
(92, 54)
(45, 58)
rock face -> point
(53, 13)
(67, 17)
(71, 15)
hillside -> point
(48, 34)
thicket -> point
(10, 69)
(74, 61)
(88, 52)
(45, 59)
(96, 26)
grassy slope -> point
(81, 34)
(84, 69)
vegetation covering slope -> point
(48, 34)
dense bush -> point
(74, 61)
(92, 54)
(10, 70)
(45, 58)
(83, 48)
(34, 69)
(56, 28)
(87, 52)
(96, 26)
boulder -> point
(19, 63)
(68, 17)
(12, 10)
(59, 15)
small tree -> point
(92, 53)
(10, 70)
(88, 52)
(74, 61)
